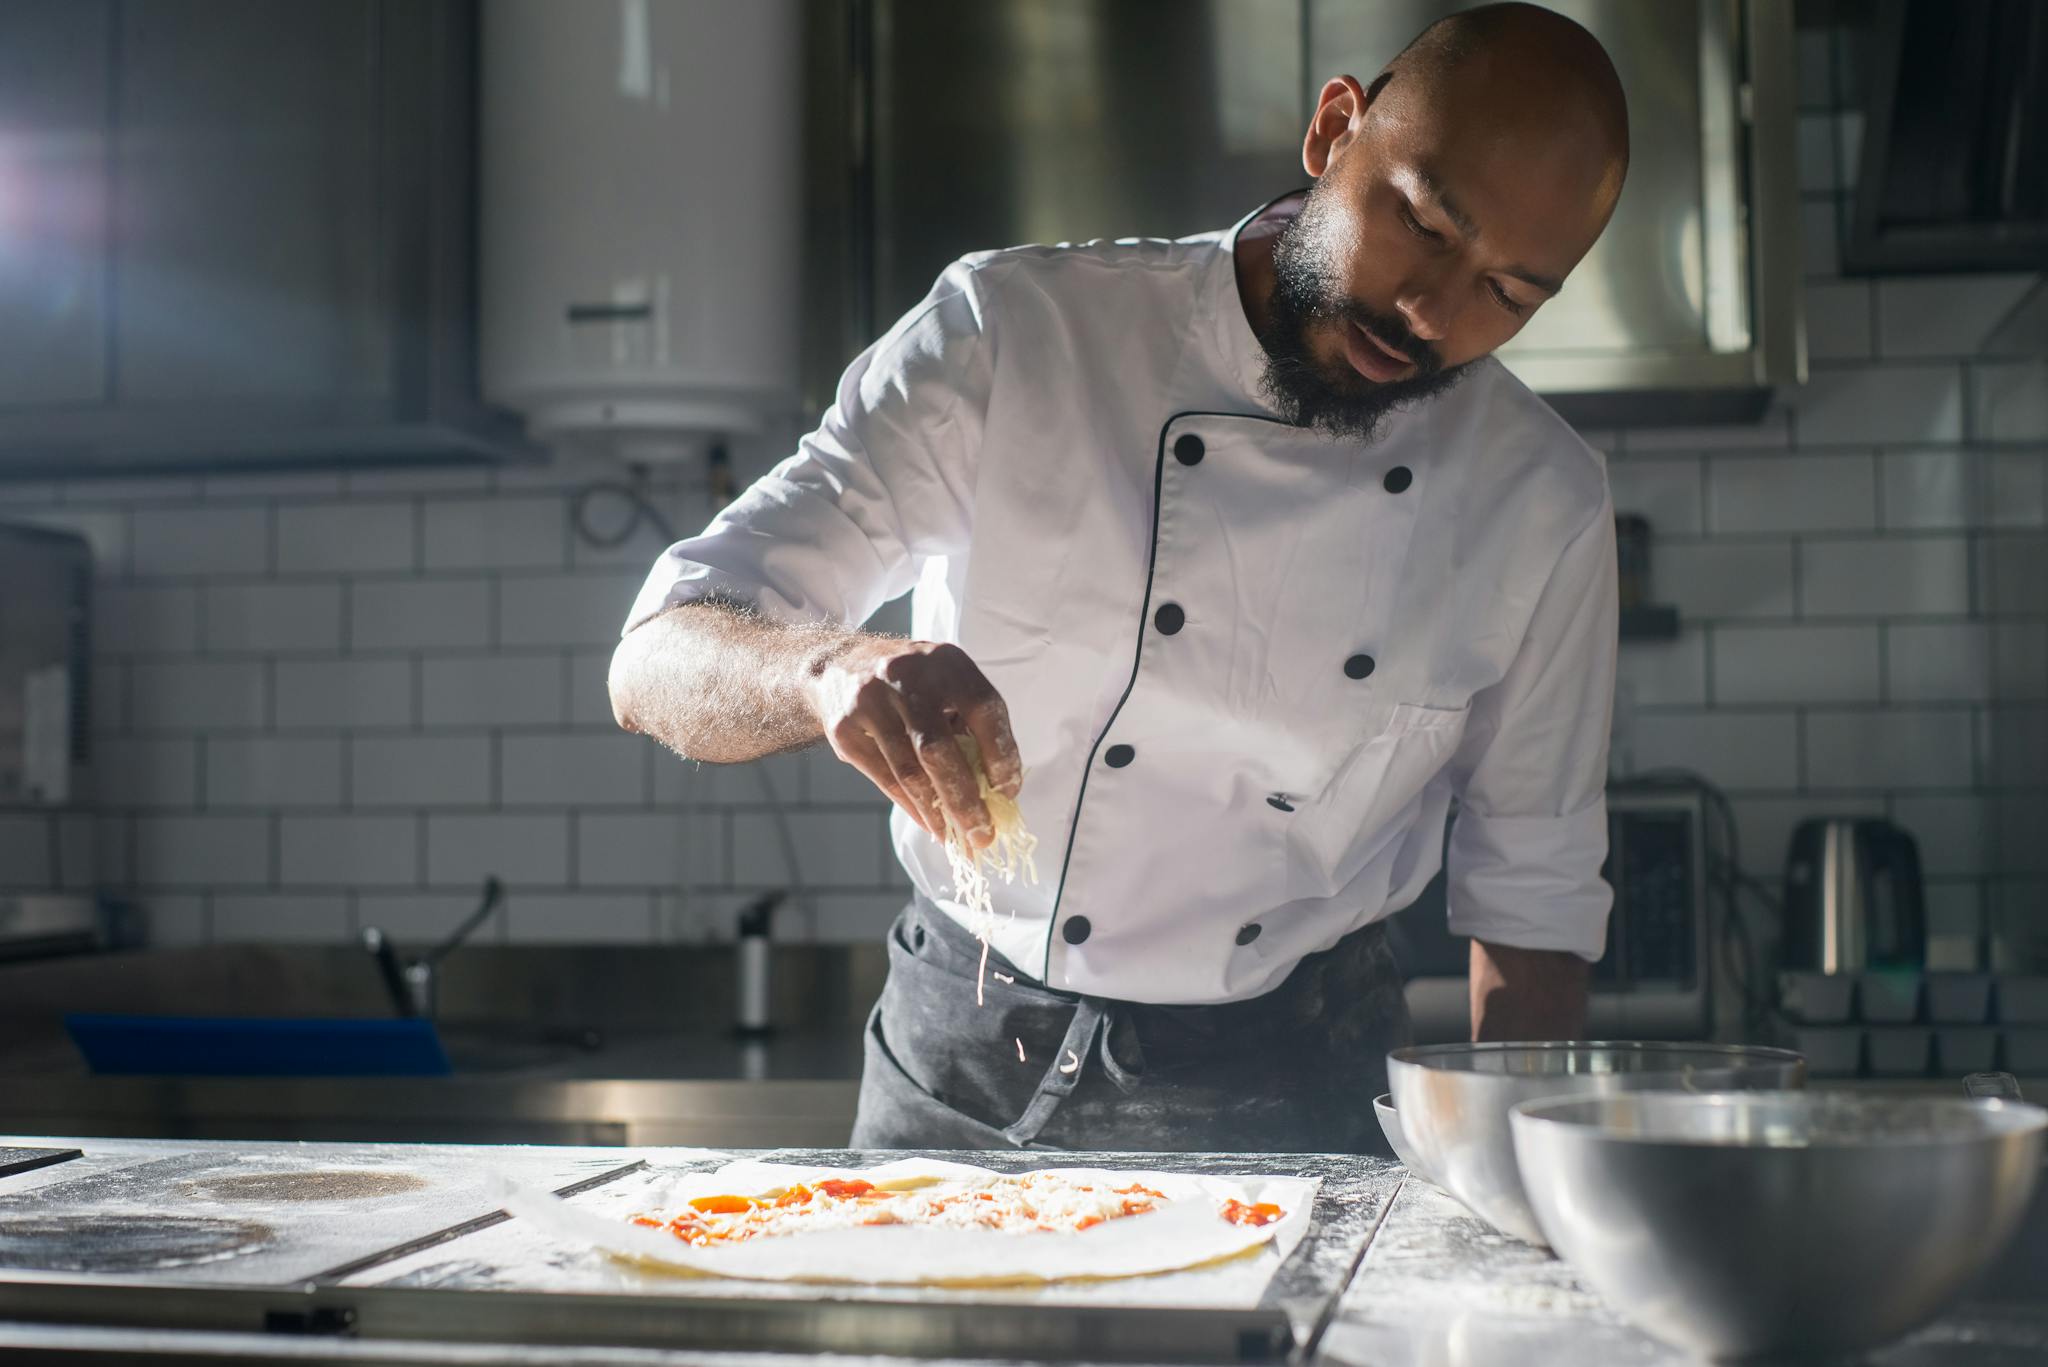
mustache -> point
(1389, 330)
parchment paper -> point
(1184, 1233)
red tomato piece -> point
(721, 1205)
(1238, 1213)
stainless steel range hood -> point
(961, 127)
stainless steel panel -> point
(248, 219)
(473, 1110)
(1010, 121)
(54, 68)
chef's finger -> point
(897, 751)
(857, 748)
(939, 754)
(983, 715)
(989, 723)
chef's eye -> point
(1506, 300)
(1416, 226)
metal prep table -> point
(162, 1251)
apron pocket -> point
(896, 1113)
(929, 1045)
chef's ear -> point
(1339, 109)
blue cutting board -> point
(258, 1046)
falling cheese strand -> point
(1009, 855)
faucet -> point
(413, 985)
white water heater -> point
(641, 210)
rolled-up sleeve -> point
(883, 485)
(1531, 773)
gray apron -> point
(1293, 1071)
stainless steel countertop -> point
(1434, 1286)
(639, 1087)
(483, 1051)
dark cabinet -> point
(252, 239)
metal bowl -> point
(1454, 1101)
(1390, 1126)
(1778, 1222)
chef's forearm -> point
(716, 683)
(1527, 994)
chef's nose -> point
(1423, 308)
(1424, 301)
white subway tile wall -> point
(1806, 664)
(1791, 493)
(465, 849)
(2011, 400)
(346, 851)
(244, 619)
(1838, 321)
(342, 693)
(200, 541)
(331, 537)
(410, 770)
(328, 700)
(272, 771)
(146, 621)
(1944, 315)
(1889, 577)
(279, 917)
(419, 614)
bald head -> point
(1524, 73)
(1452, 199)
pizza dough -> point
(1185, 1230)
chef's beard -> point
(1308, 295)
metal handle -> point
(379, 945)
(493, 893)
(1992, 1086)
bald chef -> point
(1245, 549)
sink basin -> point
(313, 1046)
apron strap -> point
(1094, 1019)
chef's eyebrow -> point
(1441, 199)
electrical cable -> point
(642, 509)
(1737, 947)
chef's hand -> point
(892, 709)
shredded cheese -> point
(1008, 856)
(1027, 1203)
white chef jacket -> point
(1248, 666)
